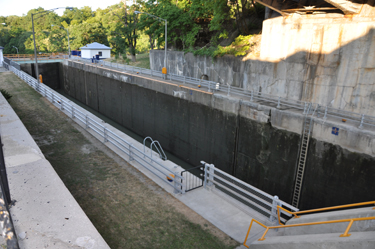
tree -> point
(124, 28)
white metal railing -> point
(245, 193)
(360, 119)
(133, 153)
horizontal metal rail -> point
(345, 234)
(323, 209)
(247, 194)
(130, 150)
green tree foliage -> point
(192, 24)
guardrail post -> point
(72, 111)
(325, 113)
(362, 119)
(184, 79)
(105, 135)
(275, 203)
(45, 92)
(278, 103)
(62, 105)
(87, 121)
(304, 108)
(228, 90)
(209, 86)
(130, 153)
(211, 173)
(151, 72)
(252, 95)
(53, 98)
(317, 110)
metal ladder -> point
(307, 127)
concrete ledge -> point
(45, 214)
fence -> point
(107, 135)
(252, 96)
(246, 194)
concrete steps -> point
(325, 235)
(357, 240)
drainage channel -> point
(128, 132)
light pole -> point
(164, 70)
(17, 52)
(32, 22)
(67, 31)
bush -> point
(6, 95)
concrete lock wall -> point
(325, 60)
(51, 73)
(257, 144)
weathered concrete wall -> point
(256, 143)
(329, 61)
(51, 73)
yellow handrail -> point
(323, 209)
(345, 234)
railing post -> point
(362, 119)
(209, 86)
(317, 111)
(304, 108)
(62, 105)
(278, 103)
(72, 111)
(53, 98)
(228, 90)
(275, 203)
(130, 153)
(252, 95)
(105, 135)
(211, 173)
(87, 121)
(325, 113)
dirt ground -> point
(128, 209)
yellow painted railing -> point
(322, 209)
(345, 234)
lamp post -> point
(17, 51)
(67, 31)
(160, 20)
(32, 22)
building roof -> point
(95, 45)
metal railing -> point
(345, 234)
(323, 209)
(191, 180)
(245, 193)
(157, 145)
(250, 95)
(107, 135)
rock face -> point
(241, 141)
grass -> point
(142, 60)
(128, 209)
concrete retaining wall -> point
(256, 143)
(329, 61)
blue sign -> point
(335, 131)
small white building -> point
(95, 48)
(1, 56)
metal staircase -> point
(301, 161)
